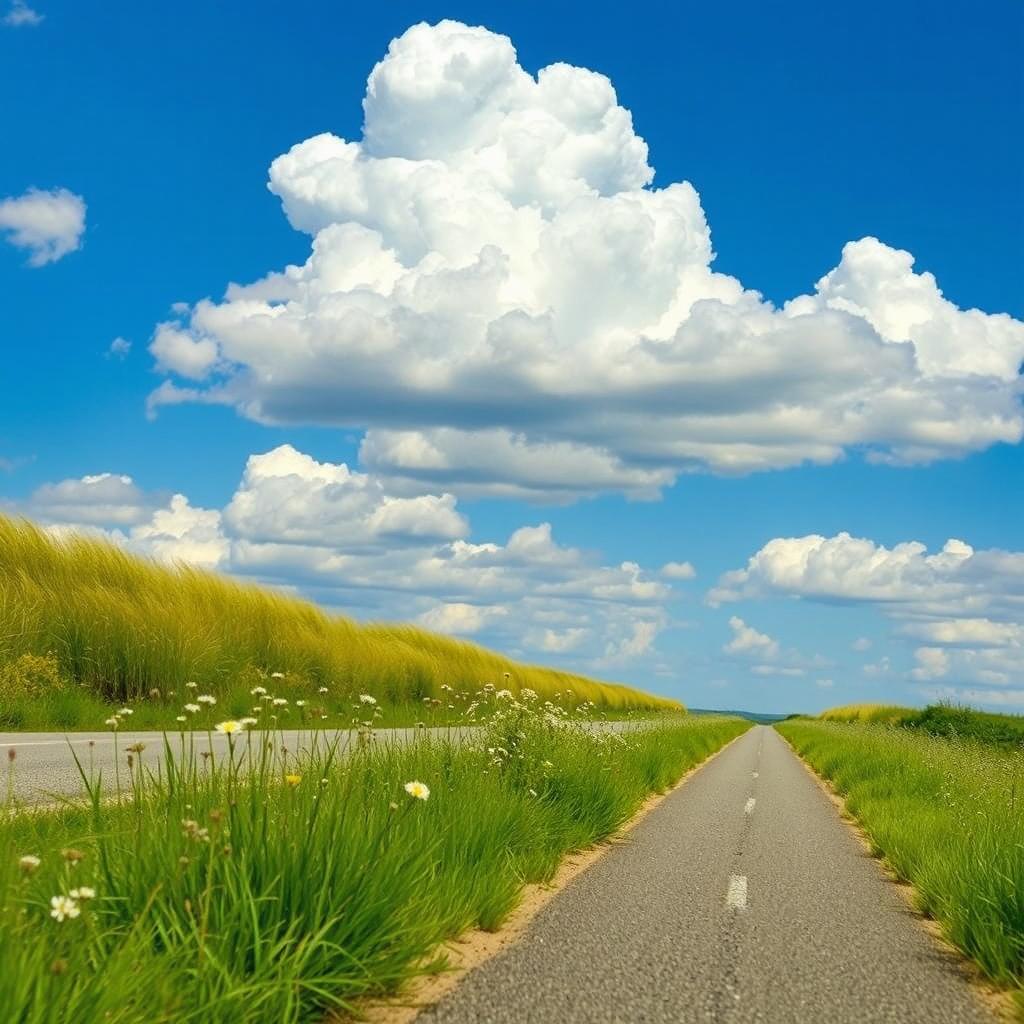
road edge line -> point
(997, 1000)
(475, 947)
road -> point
(742, 897)
(44, 765)
(44, 762)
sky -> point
(679, 347)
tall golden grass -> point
(123, 625)
(889, 713)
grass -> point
(937, 720)
(274, 888)
(948, 816)
(889, 713)
(84, 625)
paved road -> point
(742, 897)
(44, 766)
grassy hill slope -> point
(78, 613)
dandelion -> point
(256, 691)
(300, 703)
(293, 780)
(205, 698)
(229, 727)
(192, 708)
(417, 790)
(62, 907)
(83, 893)
(365, 698)
(28, 863)
(279, 702)
(126, 711)
(250, 721)
(113, 722)
(277, 675)
(192, 686)
(323, 689)
(181, 718)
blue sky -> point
(565, 378)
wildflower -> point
(137, 748)
(192, 708)
(205, 698)
(194, 831)
(181, 718)
(250, 721)
(62, 907)
(300, 703)
(126, 711)
(28, 863)
(507, 675)
(277, 675)
(229, 727)
(417, 790)
(365, 698)
(323, 689)
(72, 856)
(279, 702)
(154, 694)
(293, 780)
(192, 686)
(504, 695)
(532, 792)
(113, 722)
(258, 690)
(83, 893)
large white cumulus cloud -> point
(492, 269)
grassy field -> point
(84, 626)
(948, 815)
(937, 720)
(269, 888)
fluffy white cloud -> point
(286, 496)
(749, 642)
(182, 533)
(966, 605)
(458, 618)
(102, 499)
(498, 295)
(678, 571)
(340, 537)
(20, 15)
(48, 224)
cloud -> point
(21, 15)
(967, 605)
(496, 294)
(119, 348)
(48, 224)
(340, 537)
(862, 643)
(678, 571)
(458, 618)
(748, 641)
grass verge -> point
(948, 816)
(267, 888)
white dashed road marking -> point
(753, 775)
(736, 896)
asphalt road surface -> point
(741, 897)
(44, 766)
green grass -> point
(85, 625)
(889, 713)
(304, 896)
(948, 816)
(947, 720)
